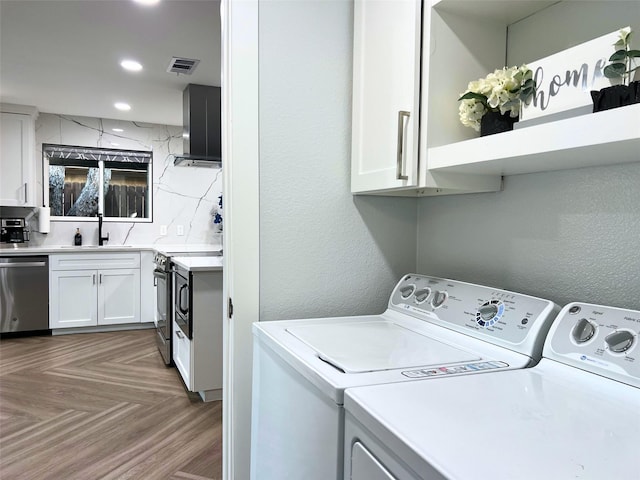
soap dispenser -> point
(77, 239)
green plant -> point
(622, 58)
(502, 91)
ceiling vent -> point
(186, 66)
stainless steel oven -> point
(183, 292)
(164, 305)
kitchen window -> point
(85, 181)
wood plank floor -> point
(101, 406)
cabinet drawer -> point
(182, 355)
(94, 261)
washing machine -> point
(574, 415)
(433, 328)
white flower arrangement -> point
(500, 91)
(623, 61)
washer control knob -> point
(488, 311)
(583, 331)
(422, 295)
(407, 291)
(439, 297)
(619, 341)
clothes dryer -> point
(574, 415)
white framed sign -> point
(564, 80)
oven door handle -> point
(183, 311)
(157, 274)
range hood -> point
(201, 127)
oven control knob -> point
(583, 331)
(619, 341)
(422, 295)
(439, 297)
(407, 291)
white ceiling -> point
(63, 56)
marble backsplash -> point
(184, 198)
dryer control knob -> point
(619, 341)
(583, 331)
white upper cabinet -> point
(432, 61)
(386, 94)
(17, 158)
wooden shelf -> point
(604, 138)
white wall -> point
(323, 252)
(181, 195)
(566, 236)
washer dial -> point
(407, 291)
(422, 295)
(619, 341)
(439, 297)
(583, 331)
(489, 313)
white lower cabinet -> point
(182, 354)
(88, 290)
(73, 299)
(199, 360)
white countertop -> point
(199, 264)
(14, 249)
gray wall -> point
(566, 236)
(323, 252)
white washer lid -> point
(374, 346)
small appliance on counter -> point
(13, 230)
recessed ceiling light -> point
(147, 2)
(131, 65)
(125, 107)
(117, 129)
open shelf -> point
(603, 138)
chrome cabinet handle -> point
(401, 115)
(94, 278)
(26, 198)
(179, 334)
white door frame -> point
(240, 154)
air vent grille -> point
(182, 65)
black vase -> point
(496, 122)
(615, 96)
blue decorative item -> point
(217, 214)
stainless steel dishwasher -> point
(24, 294)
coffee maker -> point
(13, 230)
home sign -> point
(564, 80)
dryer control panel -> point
(513, 320)
(599, 339)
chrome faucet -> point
(101, 239)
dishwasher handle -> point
(23, 264)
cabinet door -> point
(182, 355)
(16, 160)
(118, 296)
(386, 95)
(73, 299)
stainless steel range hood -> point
(201, 127)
